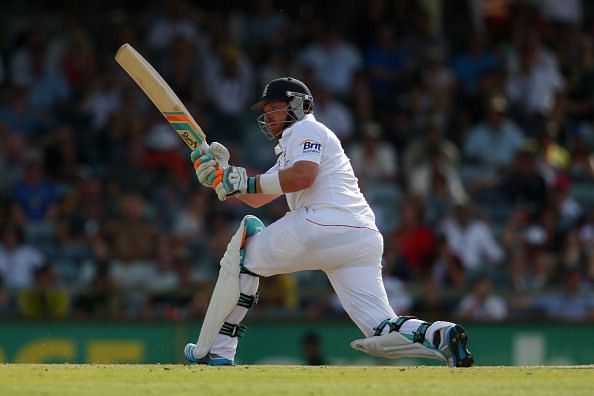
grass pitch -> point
(172, 380)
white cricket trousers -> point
(348, 250)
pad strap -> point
(419, 335)
(380, 327)
(233, 330)
(394, 326)
(244, 270)
(248, 301)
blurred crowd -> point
(470, 125)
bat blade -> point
(162, 96)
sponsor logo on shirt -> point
(310, 146)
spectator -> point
(551, 158)
(102, 99)
(79, 62)
(471, 239)
(12, 160)
(61, 157)
(534, 86)
(388, 65)
(48, 90)
(70, 249)
(183, 69)
(568, 208)
(482, 303)
(133, 239)
(421, 35)
(18, 261)
(229, 79)
(474, 61)
(161, 282)
(570, 13)
(495, 140)
(45, 298)
(130, 175)
(417, 150)
(229, 83)
(438, 80)
(581, 168)
(448, 270)
(432, 300)
(533, 241)
(373, 159)
(17, 115)
(35, 194)
(177, 19)
(415, 241)
(312, 350)
(101, 298)
(334, 114)
(579, 100)
(334, 60)
(190, 225)
(573, 301)
(265, 27)
(521, 184)
(436, 163)
(438, 198)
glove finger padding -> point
(216, 178)
(221, 154)
(221, 192)
(206, 172)
(198, 153)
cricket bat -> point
(163, 97)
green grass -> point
(172, 380)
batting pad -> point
(395, 346)
(225, 295)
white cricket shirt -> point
(336, 185)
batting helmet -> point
(290, 90)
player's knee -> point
(252, 225)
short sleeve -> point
(307, 144)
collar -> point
(278, 149)
(287, 132)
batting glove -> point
(234, 180)
(209, 162)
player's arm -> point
(270, 186)
(256, 200)
(297, 177)
(213, 170)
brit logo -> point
(309, 146)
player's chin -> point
(276, 129)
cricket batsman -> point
(329, 227)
